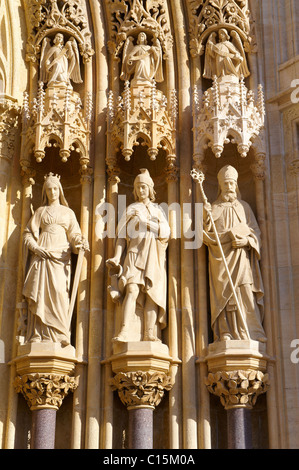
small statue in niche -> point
(225, 58)
(60, 63)
(49, 238)
(139, 262)
(142, 61)
(239, 236)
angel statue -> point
(142, 61)
(60, 63)
(50, 237)
(225, 58)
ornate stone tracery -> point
(208, 15)
(228, 112)
(59, 40)
(9, 126)
(140, 38)
(221, 32)
(129, 17)
(68, 16)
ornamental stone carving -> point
(140, 38)
(58, 43)
(238, 388)
(227, 112)
(221, 31)
(9, 126)
(207, 16)
(69, 17)
(45, 390)
(141, 389)
(129, 17)
(142, 113)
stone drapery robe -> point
(47, 281)
(231, 219)
(144, 259)
(144, 62)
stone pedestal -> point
(141, 379)
(237, 375)
(45, 375)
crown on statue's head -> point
(52, 177)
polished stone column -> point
(239, 430)
(43, 429)
(141, 428)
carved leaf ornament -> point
(45, 390)
(238, 388)
(141, 388)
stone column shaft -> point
(141, 428)
(239, 428)
(43, 429)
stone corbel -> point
(141, 373)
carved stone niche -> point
(140, 39)
(57, 115)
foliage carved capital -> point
(238, 388)
(45, 390)
(141, 389)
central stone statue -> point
(138, 268)
(142, 61)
